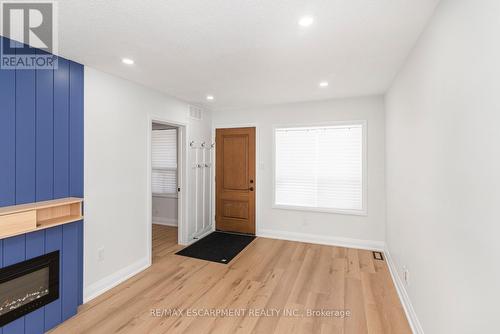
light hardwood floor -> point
(268, 275)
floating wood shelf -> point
(25, 218)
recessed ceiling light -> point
(210, 97)
(323, 84)
(306, 21)
(128, 61)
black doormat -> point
(218, 247)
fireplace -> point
(28, 285)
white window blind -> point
(320, 168)
(164, 161)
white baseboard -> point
(92, 291)
(415, 325)
(165, 221)
(322, 240)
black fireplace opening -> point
(28, 285)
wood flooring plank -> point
(267, 275)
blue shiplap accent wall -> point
(41, 158)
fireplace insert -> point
(28, 285)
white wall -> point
(314, 226)
(443, 163)
(117, 116)
(165, 210)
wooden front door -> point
(235, 180)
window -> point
(164, 161)
(320, 168)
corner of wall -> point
(96, 289)
(411, 315)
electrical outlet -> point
(406, 276)
(100, 254)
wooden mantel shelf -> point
(25, 218)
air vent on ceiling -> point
(195, 112)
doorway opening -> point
(167, 160)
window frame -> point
(364, 198)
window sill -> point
(322, 210)
(166, 195)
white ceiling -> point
(245, 52)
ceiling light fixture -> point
(306, 21)
(210, 97)
(323, 84)
(127, 61)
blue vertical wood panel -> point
(35, 246)
(61, 129)
(7, 142)
(7, 137)
(53, 242)
(80, 262)
(15, 247)
(70, 273)
(14, 252)
(44, 135)
(25, 136)
(76, 155)
(76, 129)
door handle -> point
(251, 188)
